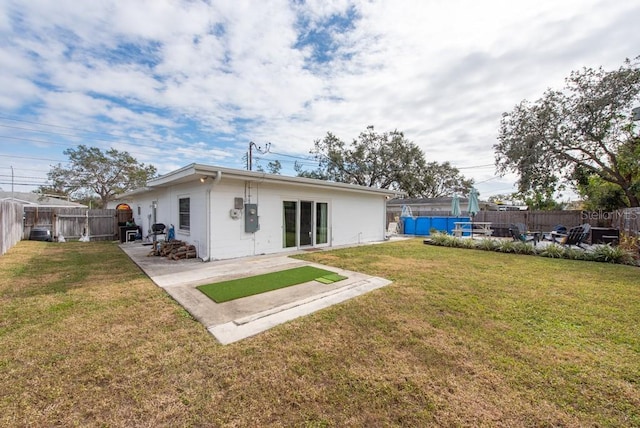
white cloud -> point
(207, 77)
(16, 91)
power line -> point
(287, 161)
(66, 127)
(31, 158)
(32, 140)
(80, 136)
(475, 166)
(113, 138)
(23, 169)
(488, 179)
(35, 141)
(23, 184)
(307, 160)
(20, 176)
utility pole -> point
(12, 182)
(259, 149)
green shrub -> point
(609, 254)
(524, 248)
(487, 244)
(599, 253)
(553, 251)
(466, 243)
(575, 254)
(630, 243)
(442, 239)
(505, 246)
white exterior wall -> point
(353, 217)
(358, 218)
(228, 239)
(197, 194)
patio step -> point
(242, 328)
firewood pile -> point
(174, 250)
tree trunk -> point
(634, 201)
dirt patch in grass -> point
(462, 338)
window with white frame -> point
(184, 213)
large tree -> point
(383, 160)
(583, 131)
(443, 179)
(92, 172)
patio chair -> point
(558, 230)
(392, 229)
(576, 236)
(519, 233)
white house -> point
(228, 213)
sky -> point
(178, 82)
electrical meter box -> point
(251, 218)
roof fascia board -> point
(257, 176)
(198, 171)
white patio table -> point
(471, 227)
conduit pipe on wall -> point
(213, 182)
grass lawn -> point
(462, 338)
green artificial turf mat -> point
(331, 278)
(224, 291)
(334, 277)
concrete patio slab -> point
(235, 320)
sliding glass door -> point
(322, 223)
(290, 222)
(305, 223)
(306, 228)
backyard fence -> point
(10, 224)
(73, 223)
(625, 220)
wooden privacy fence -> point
(626, 220)
(10, 224)
(73, 223)
(543, 220)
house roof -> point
(37, 199)
(426, 203)
(423, 201)
(195, 172)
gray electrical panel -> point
(251, 218)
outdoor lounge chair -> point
(392, 229)
(558, 229)
(519, 233)
(576, 236)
